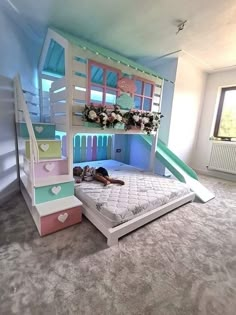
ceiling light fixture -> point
(181, 26)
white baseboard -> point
(216, 174)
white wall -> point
(186, 109)
(17, 55)
(203, 145)
(8, 166)
(181, 107)
(167, 70)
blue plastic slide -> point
(179, 169)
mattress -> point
(142, 192)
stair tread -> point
(58, 205)
(44, 140)
(63, 158)
(46, 181)
(36, 123)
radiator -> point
(223, 157)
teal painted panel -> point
(62, 190)
(91, 125)
(77, 154)
(169, 159)
(48, 149)
(41, 131)
(104, 148)
(55, 59)
(99, 148)
(83, 148)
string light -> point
(118, 61)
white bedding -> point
(142, 192)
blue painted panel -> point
(89, 149)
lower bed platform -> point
(117, 210)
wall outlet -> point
(118, 150)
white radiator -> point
(223, 157)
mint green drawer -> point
(41, 131)
(48, 149)
(53, 192)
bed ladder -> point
(46, 185)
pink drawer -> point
(60, 220)
(48, 168)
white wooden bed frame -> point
(68, 96)
(114, 233)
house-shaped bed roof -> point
(53, 60)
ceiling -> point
(137, 28)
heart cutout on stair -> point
(44, 147)
(56, 190)
(49, 167)
(39, 129)
(62, 217)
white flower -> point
(145, 120)
(136, 118)
(104, 117)
(92, 115)
(142, 126)
(118, 117)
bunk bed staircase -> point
(45, 180)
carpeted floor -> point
(181, 264)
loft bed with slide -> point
(98, 99)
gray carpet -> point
(181, 264)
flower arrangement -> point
(100, 115)
(143, 120)
(146, 121)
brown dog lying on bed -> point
(89, 173)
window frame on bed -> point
(104, 87)
(142, 95)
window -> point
(225, 126)
(143, 94)
(103, 84)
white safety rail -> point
(45, 107)
(58, 102)
(156, 100)
(32, 102)
(22, 114)
(79, 82)
(58, 94)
